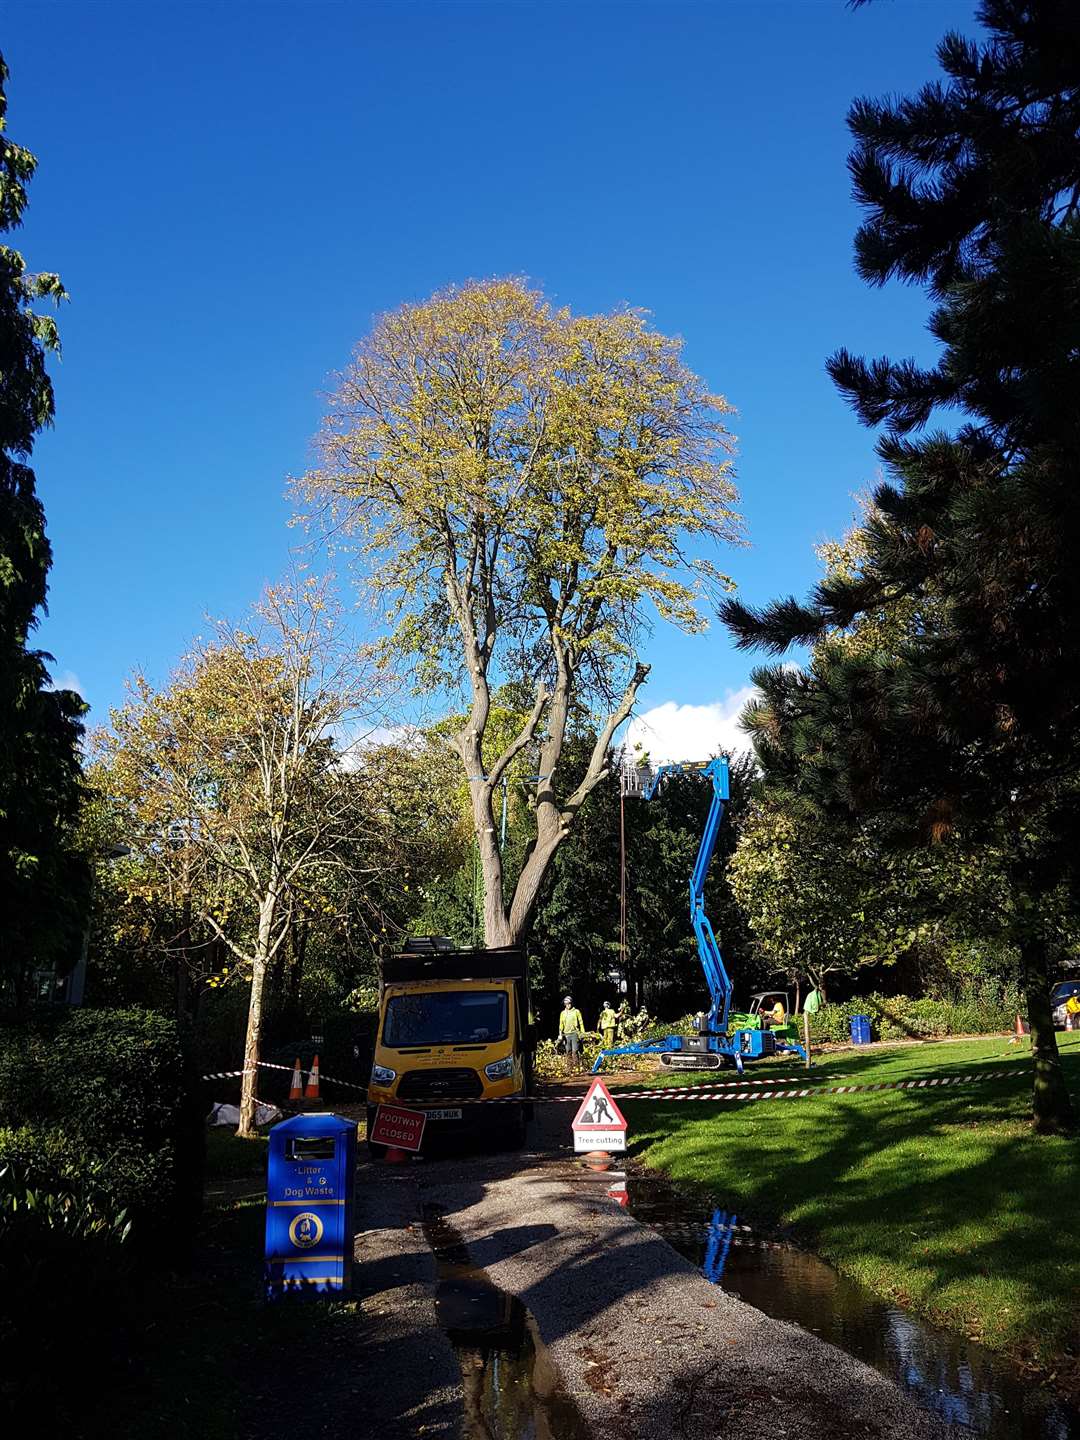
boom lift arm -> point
(713, 1045)
(712, 962)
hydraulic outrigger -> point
(712, 1046)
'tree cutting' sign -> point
(599, 1124)
(398, 1127)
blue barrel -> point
(860, 1029)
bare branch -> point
(598, 766)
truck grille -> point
(439, 1085)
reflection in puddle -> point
(510, 1385)
(955, 1378)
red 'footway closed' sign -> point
(397, 1126)
(599, 1123)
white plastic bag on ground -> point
(230, 1114)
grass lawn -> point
(943, 1199)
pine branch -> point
(775, 627)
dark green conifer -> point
(971, 724)
(42, 882)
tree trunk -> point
(267, 910)
(1051, 1106)
(185, 968)
(299, 942)
(509, 924)
(817, 982)
(527, 891)
(182, 988)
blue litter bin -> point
(860, 1029)
(309, 1206)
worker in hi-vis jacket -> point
(571, 1033)
(606, 1025)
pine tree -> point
(42, 880)
(968, 727)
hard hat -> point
(568, 999)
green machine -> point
(759, 1017)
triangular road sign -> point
(598, 1111)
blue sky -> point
(232, 191)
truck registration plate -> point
(444, 1114)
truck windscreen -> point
(446, 1017)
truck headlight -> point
(500, 1069)
(382, 1075)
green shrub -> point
(105, 1090)
(100, 1151)
(68, 1295)
(980, 1009)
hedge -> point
(104, 1093)
(901, 1017)
(69, 1303)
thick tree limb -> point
(598, 759)
(525, 734)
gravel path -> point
(644, 1345)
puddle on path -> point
(509, 1382)
(953, 1377)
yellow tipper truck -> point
(454, 1028)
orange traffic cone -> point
(296, 1089)
(311, 1091)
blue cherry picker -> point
(714, 1045)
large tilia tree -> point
(528, 487)
(968, 728)
(41, 878)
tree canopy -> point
(234, 790)
(527, 486)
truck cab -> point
(453, 1032)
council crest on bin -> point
(306, 1230)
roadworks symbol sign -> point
(599, 1123)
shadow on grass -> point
(926, 1060)
(941, 1199)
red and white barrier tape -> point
(687, 1093)
(718, 1091)
(727, 1084)
(938, 1082)
(271, 1065)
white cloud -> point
(354, 737)
(68, 680)
(673, 732)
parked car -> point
(1058, 995)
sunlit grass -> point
(941, 1199)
